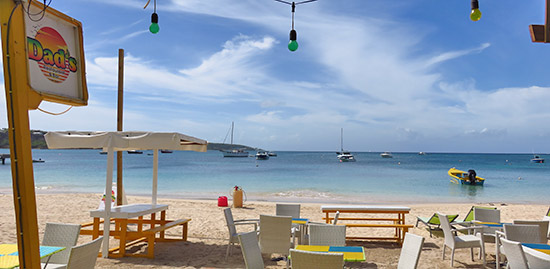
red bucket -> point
(222, 201)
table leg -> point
(327, 220)
(153, 220)
(140, 224)
(162, 222)
(123, 229)
(95, 230)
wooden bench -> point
(397, 222)
(150, 235)
(398, 227)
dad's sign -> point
(55, 52)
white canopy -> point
(123, 141)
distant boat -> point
(103, 152)
(422, 153)
(234, 152)
(165, 151)
(38, 161)
(272, 154)
(262, 155)
(135, 152)
(386, 155)
(344, 156)
(466, 178)
(537, 159)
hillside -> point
(37, 139)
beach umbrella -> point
(123, 141)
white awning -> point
(122, 141)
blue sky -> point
(396, 75)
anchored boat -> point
(466, 178)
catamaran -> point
(234, 152)
(344, 156)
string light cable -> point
(14, 146)
(293, 44)
(40, 13)
(56, 114)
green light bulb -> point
(475, 15)
(293, 45)
(154, 28)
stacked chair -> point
(461, 241)
(231, 226)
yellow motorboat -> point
(467, 178)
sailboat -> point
(234, 152)
(344, 156)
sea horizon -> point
(299, 176)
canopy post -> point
(155, 175)
(108, 191)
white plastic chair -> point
(487, 215)
(60, 235)
(410, 252)
(81, 257)
(461, 241)
(327, 235)
(309, 259)
(251, 250)
(543, 228)
(518, 233)
(336, 216)
(514, 253)
(537, 259)
(292, 210)
(275, 234)
(547, 218)
(231, 227)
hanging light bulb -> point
(154, 27)
(293, 44)
(476, 14)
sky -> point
(399, 76)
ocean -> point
(299, 176)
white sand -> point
(208, 232)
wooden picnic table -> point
(134, 214)
(397, 222)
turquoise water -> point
(300, 176)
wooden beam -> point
(120, 186)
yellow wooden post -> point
(19, 99)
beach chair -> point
(536, 259)
(514, 254)
(231, 227)
(461, 241)
(302, 259)
(327, 235)
(292, 210)
(60, 235)
(251, 250)
(470, 216)
(275, 234)
(410, 252)
(488, 215)
(81, 257)
(543, 228)
(518, 233)
(433, 222)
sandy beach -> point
(208, 232)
